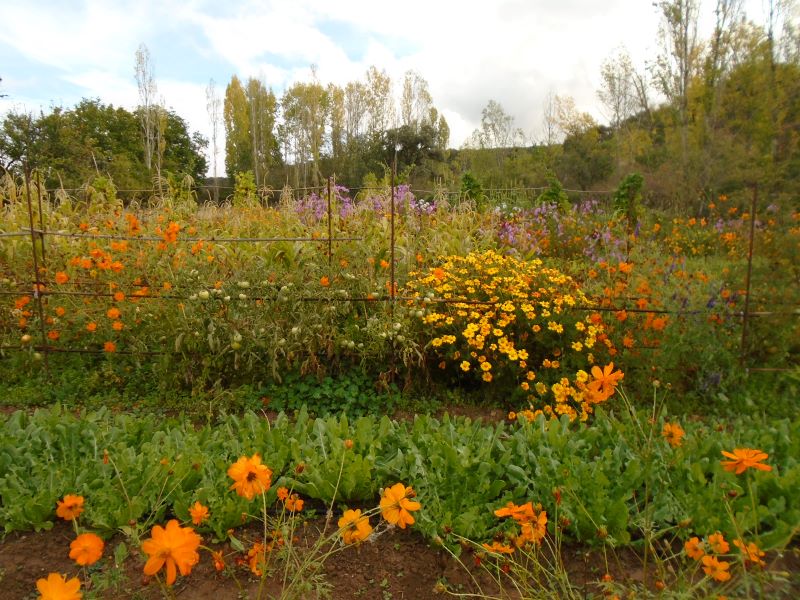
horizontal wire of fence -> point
(154, 238)
(280, 190)
(133, 296)
(391, 298)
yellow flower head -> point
(354, 527)
(396, 505)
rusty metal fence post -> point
(392, 288)
(38, 286)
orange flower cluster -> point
(170, 234)
(531, 519)
(713, 567)
(708, 551)
(396, 506)
(86, 549)
(292, 502)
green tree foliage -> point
(73, 146)
(587, 157)
(249, 115)
(263, 109)
(236, 118)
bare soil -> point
(398, 565)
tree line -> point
(703, 116)
(313, 130)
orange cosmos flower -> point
(86, 549)
(173, 546)
(716, 569)
(324, 281)
(499, 548)
(257, 558)
(219, 561)
(198, 512)
(396, 505)
(53, 335)
(752, 553)
(605, 380)
(354, 527)
(718, 543)
(55, 587)
(522, 514)
(249, 476)
(673, 433)
(70, 507)
(294, 503)
(113, 313)
(384, 264)
(117, 326)
(659, 323)
(60, 311)
(91, 327)
(119, 296)
(533, 531)
(283, 493)
(61, 277)
(694, 548)
(109, 347)
(743, 459)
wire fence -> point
(39, 234)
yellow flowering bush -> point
(498, 319)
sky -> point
(515, 52)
